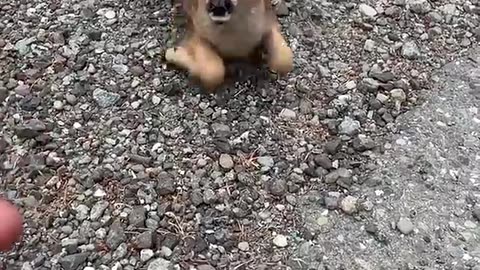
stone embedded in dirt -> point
(226, 161)
(405, 225)
(280, 240)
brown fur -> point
(252, 29)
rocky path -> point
(365, 157)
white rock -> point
(369, 45)
(146, 254)
(226, 161)
(243, 246)
(405, 225)
(288, 114)
(166, 252)
(110, 14)
(58, 105)
(160, 264)
(367, 10)
(156, 100)
(280, 241)
(349, 205)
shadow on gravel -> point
(420, 205)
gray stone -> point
(323, 161)
(349, 126)
(398, 95)
(120, 69)
(31, 129)
(104, 98)
(74, 261)
(144, 240)
(363, 142)
(205, 267)
(332, 200)
(226, 161)
(137, 216)
(419, 6)
(221, 129)
(278, 187)
(209, 196)
(146, 255)
(165, 184)
(120, 252)
(23, 45)
(97, 210)
(82, 212)
(410, 50)
(266, 161)
(116, 235)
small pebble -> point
(280, 241)
(405, 225)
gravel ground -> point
(119, 162)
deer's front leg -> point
(279, 54)
(200, 60)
